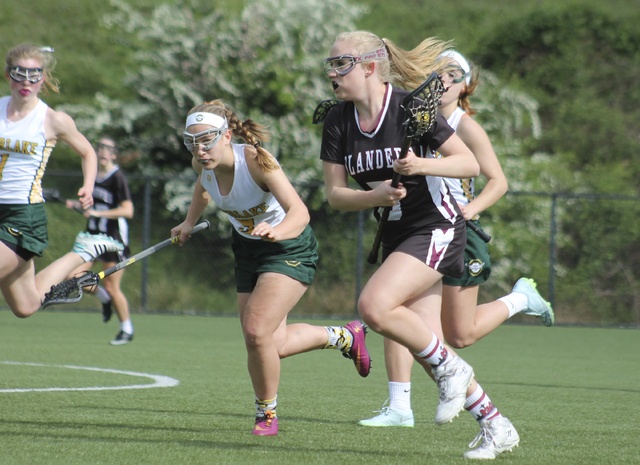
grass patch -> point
(572, 393)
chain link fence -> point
(582, 249)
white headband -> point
(206, 118)
(462, 61)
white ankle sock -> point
(436, 353)
(400, 396)
(515, 302)
(126, 326)
(263, 406)
(480, 406)
(338, 337)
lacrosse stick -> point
(70, 291)
(53, 195)
(421, 107)
(322, 110)
(483, 235)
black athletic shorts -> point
(441, 248)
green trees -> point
(582, 66)
(264, 61)
(560, 98)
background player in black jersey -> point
(112, 206)
(426, 233)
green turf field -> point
(572, 393)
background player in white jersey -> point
(29, 130)
(425, 238)
(112, 206)
(464, 322)
(274, 247)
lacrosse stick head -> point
(69, 291)
(421, 106)
(322, 110)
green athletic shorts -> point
(24, 227)
(477, 262)
(296, 258)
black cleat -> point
(122, 338)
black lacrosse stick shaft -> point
(395, 181)
(420, 106)
(483, 235)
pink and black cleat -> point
(266, 425)
(358, 351)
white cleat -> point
(536, 305)
(453, 379)
(390, 417)
(95, 245)
(495, 437)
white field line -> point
(159, 381)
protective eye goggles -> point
(108, 148)
(343, 64)
(20, 74)
(191, 143)
(219, 127)
(455, 76)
